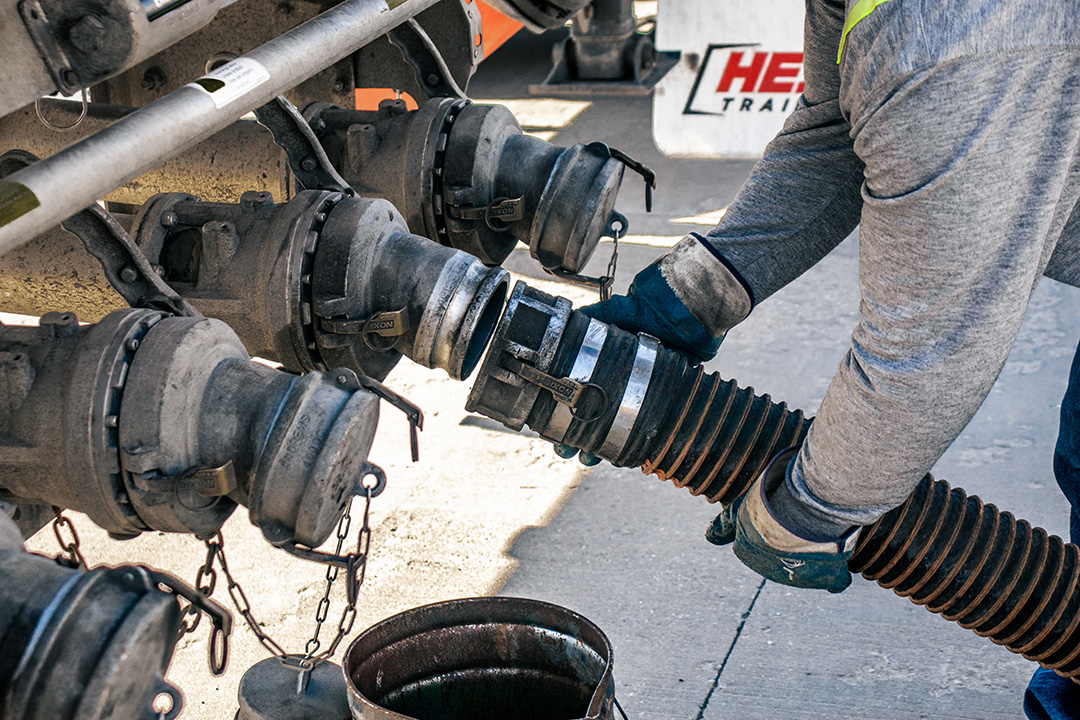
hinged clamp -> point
(502, 210)
(207, 482)
(566, 391)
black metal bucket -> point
(481, 659)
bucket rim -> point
(477, 610)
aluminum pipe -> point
(38, 197)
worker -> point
(949, 131)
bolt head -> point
(132, 344)
(128, 274)
(432, 79)
(307, 164)
(88, 34)
(152, 79)
(168, 219)
(70, 78)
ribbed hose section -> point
(717, 441)
(959, 557)
(950, 552)
(981, 568)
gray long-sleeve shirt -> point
(951, 132)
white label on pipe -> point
(232, 80)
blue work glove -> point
(568, 451)
(773, 551)
(688, 299)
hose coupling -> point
(147, 421)
(85, 644)
(325, 281)
(467, 176)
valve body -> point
(147, 421)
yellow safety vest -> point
(858, 11)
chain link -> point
(243, 606)
(206, 581)
(348, 615)
(608, 280)
(74, 557)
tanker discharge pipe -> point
(88, 645)
(147, 421)
(467, 176)
(325, 281)
(624, 398)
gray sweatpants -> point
(951, 132)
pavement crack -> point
(727, 655)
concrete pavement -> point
(697, 636)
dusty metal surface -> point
(465, 175)
(146, 421)
(481, 659)
(89, 645)
(238, 29)
(53, 45)
(241, 157)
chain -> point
(240, 601)
(206, 581)
(348, 613)
(608, 280)
(73, 555)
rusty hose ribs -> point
(624, 398)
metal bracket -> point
(423, 54)
(56, 60)
(219, 616)
(124, 263)
(392, 323)
(641, 169)
(568, 78)
(412, 412)
(307, 158)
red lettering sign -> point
(780, 73)
(781, 65)
(735, 70)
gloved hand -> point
(568, 451)
(770, 549)
(688, 299)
